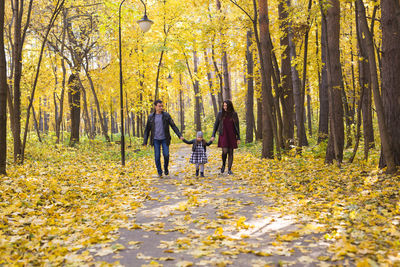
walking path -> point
(213, 221)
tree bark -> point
(132, 115)
(74, 98)
(3, 95)
(259, 120)
(347, 115)
(298, 103)
(96, 100)
(277, 116)
(226, 92)
(266, 73)
(36, 124)
(181, 105)
(250, 90)
(210, 84)
(336, 135)
(19, 38)
(156, 93)
(301, 131)
(220, 78)
(323, 127)
(309, 112)
(86, 119)
(365, 84)
(197, 111)
(286, 72)
(59, 116)
(390, 83)
(358, 135)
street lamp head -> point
(169, 78)
(145, 23)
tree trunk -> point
(3, 95)
(266, 73)
(41, 120)
(96, 101)
(298, 103)
(277, 116)
(156, 93)
(105, 117)
(301, 131)
(116, 128)
(366, 105)
(226, 89)
(181, 105)
(365, 84)
(74, 98)
(197, 110)
(286, 71)
(59, 117)
(259, 120)
(133, 124)
(309, 112)
(210, 84)
(347, 115)
(10, 108)
(36, 125)
(141, 125)
(323, 127)
(86, 119)
(45, 117)
(220, 78)
(227, 92)
(336, 135)
(358, 135)
(250, 90)
(17, 63)
(390, 83)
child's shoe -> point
(230, 172)
(201, 174)
(223, 169)
(197, 172)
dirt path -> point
(213, 221)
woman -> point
(227, 124)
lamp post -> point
(144, 25)
(169, 78)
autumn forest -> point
(315, 85)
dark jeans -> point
(157, 154)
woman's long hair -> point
(229, 111)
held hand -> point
(238, 142)
(212, 139)
(181, 138)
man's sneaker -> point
(160, 175)
(201, 174)
(230, 172)
(223, 169)
(166, 172)
(197, 172)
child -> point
(199, 156)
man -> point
(158, 127)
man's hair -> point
(157, 102)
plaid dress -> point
(199, 155)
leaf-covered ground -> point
(76, 207)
